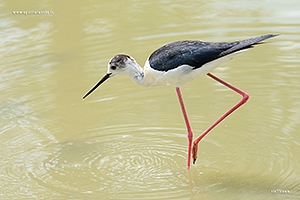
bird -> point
(180, 62)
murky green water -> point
(129, 142)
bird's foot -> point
(194, 151)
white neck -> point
(136, 73)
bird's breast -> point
(176, 77)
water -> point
(129, 142)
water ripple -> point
(117, 166)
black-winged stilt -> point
(180, 62)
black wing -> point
(197, 53)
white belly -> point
(182, 74)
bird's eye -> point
(113, 67)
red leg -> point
(190, 133)
(245, 98)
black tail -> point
(248, 43)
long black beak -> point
(97, 85)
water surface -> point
(129, 142)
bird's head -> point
(118, 65)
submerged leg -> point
(245, 98)
(190, 133)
